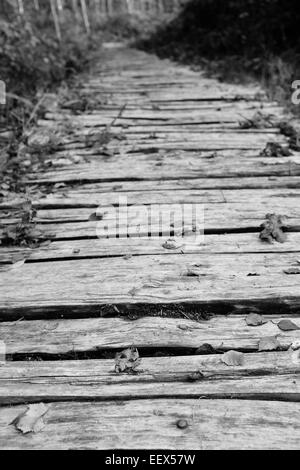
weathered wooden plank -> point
(164, 165)
(263, 375)
(101, 248)
(128, 127)
(208, 280)
(71, 336)
(166, 220)
(174, 116)
(89, 196)
(211, 424)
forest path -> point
(150, 154)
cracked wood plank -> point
(217, 279)
(71, 336)
(211, 424)
(101, 248)
(264, 375)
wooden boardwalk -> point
(182, 300)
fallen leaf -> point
(127, 361)
(295, 345)
(272, 229)
(274, 149)
(253, 319)
(195, 376)
(32, 419)
(95, 216)
(171, 244)
(287, 325)
(233, 358)
(269, 343)
(205, 348)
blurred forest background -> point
(44, 42)
(237, 40)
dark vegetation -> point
(33, 60)
(237, 40)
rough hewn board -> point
(96, 334)
(99, 248)
(181, 116)
(219, 279)
(89, 196)
(220, 217)
(264, 375)
(134, 127)
(146, 424)
(84, 285)
(170, 165)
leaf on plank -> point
(272, 229)
(205, 348)
(127, 361)
(269, 343)
(171, 244)
(254, 319)
(287, 325)
(95, 216)
(295, 345)
(233, 358)
(32, 419)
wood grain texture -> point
(151, 424)
(215, 280)
(264, 375)
(71, 336)
(102, 248)
(165, 165)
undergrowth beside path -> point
(237, 40)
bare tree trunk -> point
(85, 16)
(21, 7)
(55, 19)
(76, 9)
(97, 9)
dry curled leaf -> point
(274, 149)
(195, 376)
(95, 216)
(295, 345)
(233, 358)
(272, 229)
(32, 419)
(127, 361)
(253, 319)
(171, 244)
(269, 343)
(205, 348)
(287, 325)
